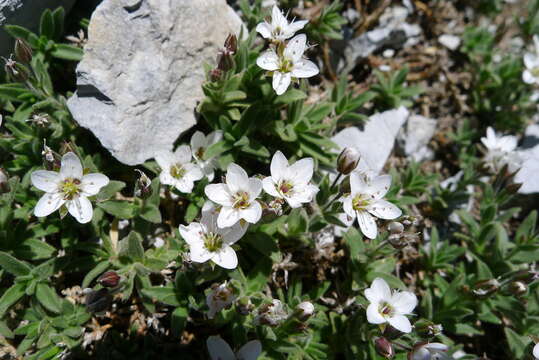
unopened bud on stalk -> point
(395, 227)
(215, 75)
(4, 184)
(231, 44)
(305, 310)
(143, 186)
(526, 276)
(23, 51)
(109, 279)
(244, 306)
(347, 160)
(485, 288)
(518, 288)
(384, 347)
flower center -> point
(200, 153)
(360, 202)
(286, 66)
(241, 200)
(385, 309)
(177, 171)
(70, 188)
(213, 242)
(277, 31)
(535, 71)
(285, 187)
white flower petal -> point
(48, 203)
(277, 18)
(301, 172)
(255, 188)
(183, 154)
(304, 69)
(347, 206)
(233, 233)
(165, 178)
(253, 213)
(269, 187)
(227, 217)
(531, 61)
(281, 82)
(44, 180)
(214, 137)
(192, 233)
(436, 347)
(193, 172)
(379, 186)
(373, 315)
(71, 166)
(184, 185)
(384, 210)
(219, 194)
(295, 48)
(278, 166)
(528, 78)
(164, 160)
(401, 323)
(219, 349)
(404, 302)
(226, 258)
(268, 60)
(236, 178)
(198, 140)
(421, 354)
(81, 209)
(264, 29)
(367, 224)
(250, 351)
(92, 183)
(357, 184)
(198, 253)
(379, 291)
(536, 351)
(295, 27)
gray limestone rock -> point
(413, 139)
(24, 13)
(529, 151)
(142, 71)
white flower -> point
(429, 351)
(199, 145)
(365, 200)
(289, 65)
(237, 197)
(279, 29)
(271, 314)
(178, 170)
(220, 350)
(208, 242)
(69, 187)
(389, 307)
(531, 62)
(290, 182)
(536, 351)
(220, 297)
(501, 151)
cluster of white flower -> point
(284, 60)
(501, 151)
(531, 61)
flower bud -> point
(427, 329)
(395, 227)
(51, 159)
(225, 62)
(23, 51)
(485, 288)
(347, 160)
(98, 301)
(518, 288)
(216, 75)
(244, 306)
(305, 310)
(4, 184)
(143, 186)
(231, 44)
(526, 276)
(109, 279)
(384, 347)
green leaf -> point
(517, 343)
(13, 266)
(46, 24)
(48, 298)
(290, 96)
(11, 296)
(131, 246)
(67, 52)
(166, 295)
(5, 331)
(151, 213)
(110, 190)
(92, 274)
(178, 320)
(120, 209)
(18, 32)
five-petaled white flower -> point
(389, 307)
(237, 197)
(288, 65)
(199, 145)
(501, 150)
(209, 242)
(365, 200)
(69, 187)
(279, 29)
(530, 75)
(178, 170)
(290, 182)
(220, 350)
(220, 297)
(429, 351)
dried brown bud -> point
(98, 301)
(384, 347)
(4, 184)
(244, 306)
(485, 288)
(347, 160)
(518, 288)
(109, 279)
(216, 75)
(231, 44)
(526, 276)
(143, 186)
(23, 51)
(15, 71)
